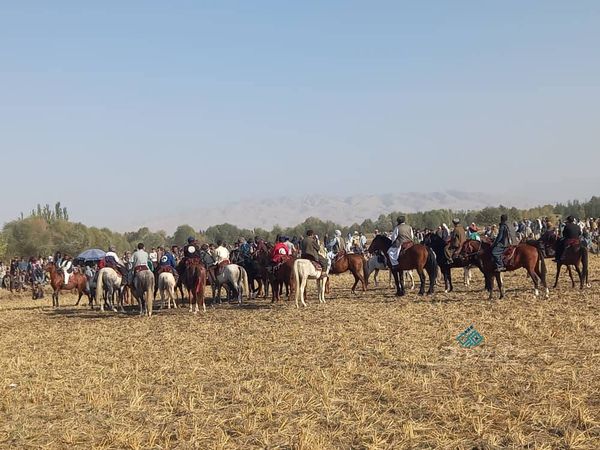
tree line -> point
(47, 230)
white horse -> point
(143, 290)
(374, 265)
(302, 271)
(109, 284)
(166, 287)
(234, 276)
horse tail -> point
(296, 276)
(431, 265)
(100, 286)
(585, 263)
(244, 276)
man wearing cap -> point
(401, 234)
(570, 231)
(190, 250)
(501, 242)
(309, 248)
(473, 232)
(457, 239)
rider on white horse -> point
(221, 255)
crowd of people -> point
(505, 233)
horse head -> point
(381, 243)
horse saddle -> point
(317, 265)
(339, 255)
(405, 246)
(509, 255)
(163, 269)
(574, 242)
(139, 269)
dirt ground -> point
(364, 371)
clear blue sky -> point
(115, 97)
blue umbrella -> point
(93, 254)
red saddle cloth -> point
(509, 255)
(572, 242)
(163, 269)
(138, 269)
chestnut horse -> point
(419, 257)
(57, 278)
(283, 277)
(526, 256)
(193, 278)
(355, 263)
(573, 255)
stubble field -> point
(365, 371)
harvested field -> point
(366, 371)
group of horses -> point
(255, 276)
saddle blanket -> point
(508, 255)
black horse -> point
(437, 244)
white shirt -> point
(114, 255)
(153, 256)
(221, 254)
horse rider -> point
(140, 260)
(67, 267)
(290, 245)
(309, 249)
(501, 243)
(245, 249)
(401, 234)
(336, 245)
(570, 231)
(111, 259)
(167, 263)
(473, 232)
(279, 253)
(356, 247)
(221, 256)
(457, 238)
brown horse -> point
(575, 253)
(419, 257)
(283, 277)
(193, 278)
(356, 264)
(76, 281)
(523, 255)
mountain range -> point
(290, 211)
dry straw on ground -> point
(365, 371)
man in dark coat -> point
(457, 239)
(501, 242)
(570, 231)
(309, 249)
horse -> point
(437, 244)
(378, 262)
(166, 286)
(418, 256)
(236, 277)
(283, 276)
(526, 256)
(355, 263)
(143, 288)
(303, 270)
(573, 255)
(76, 281)
(109, 283)
(254, 271)
(193, 278)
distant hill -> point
(289, 211)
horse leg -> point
(422, 280)
(500, 284)
(356, 280)
(401, 281)
(396, 282)
(578, 270)
(320, 285)
(534, 278)
(558, 266)
(303, 282)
